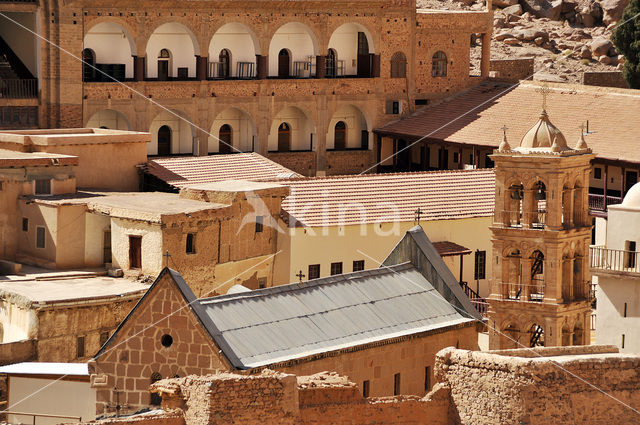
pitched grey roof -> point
(286, 322)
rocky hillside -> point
(566, 37)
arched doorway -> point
(241, 45)
(284, 61)
(113, 50)
(354, 47)
(164, 140)
(364, 58)
(88, 65)
(226, 139)
(340, 136)
(225, 64)
(284, 137)
(332, 58)
(536, 290)
(164, 65)
(578, 335)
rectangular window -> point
(396, 384)
(622, 341)
(480, 265)
(471, 159)
(365, 388)
(104, 336)
(259, 223)
(40, 237)
(80, 347)
(262, 282)
(597, 173)
(625, 310)
(191, 246)
(358, 265)
(135, 252)
(427, 378)
(396, 108)
(106, 247)
(314, 271)
(336, 268)
(456, 157)
(25, 224)
(630, 254)
(43, 187)
(0, 185)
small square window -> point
(358, 265)
(191, 245)
(597, 173)
(40, 237)
(259, 223)
(314, 271)
(25, 224)
(80, 347)
(336, 268)
(43, 187)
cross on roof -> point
(300, 275)
(504, 129)
(418, 213)
(544, 91)
(581, 128)
(166, 256)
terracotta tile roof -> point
(372, 198)
(613, 114)
(187, 171)
(447, 249)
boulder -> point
(600, 46)
(511, 41)
(587, 20)
(544, 8)
(620, 59)
(604, 59)
(504, 3)
(612, 10)
(612, 52)
(516, 9)
(499, 23)
(538, 41)
(503, 35)
(585, 53)
(531, 34)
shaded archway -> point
(299, 126)
(164, 140)
(243, 132)
(354, 46)
(355, 131)
(225, 136)
(332, 69)
(113, 49)
(578, 335)
(88, 65)
(284, 137)
(181, 134)
(242, 45)
(340, 136)
(300, 43)
(181, 43)
(284, 64)
(109, 118)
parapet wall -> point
(512, 70)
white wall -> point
(242, 126)
(301, 129)
(294, 37)
(344, 41)
(235, 38)
(151, 244)
(23, 43)
(181, 134)
(623, 224)
(109, 118)
(53, 398)
(95, 226)
(612, 294)
(355, 124)
(176, 39)
(18, 323)
(111, 45)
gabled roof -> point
(186, 171)
(372, 198)
(475, 117)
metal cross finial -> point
(544, 90)
(300, 275)
(504, 130)
(581, 128)
(166, 256)
(418, 213)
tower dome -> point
(544, 135)
(632, 198)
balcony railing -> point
(481, 304)
(600, 203)
(517, 218)
(518, 291)
(16, 88)
(614, 259)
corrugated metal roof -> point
(298, 320)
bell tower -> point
(540, 291)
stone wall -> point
(512, 70)
(19, 351)
(605, 79)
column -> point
(460, 161)
(527, 263)
(528, 202)
(138, 68)
(567, 212)
(321, 66)
(201, 68)
(262, 67)
(606, 182)
(486, 55)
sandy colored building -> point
(616, 267)
(406, 310)
(305, 86)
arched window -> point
(164, 65)
(439, 66)
(284, 137)
(284, 63)
(331, 63)
(156, 399)
(536, 290)
(89, 62)
(164, 140)
(577, 335)
(225, 64)
(226, 139)
(340, 136)
(398, 65)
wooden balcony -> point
(607, 260)
(19, 88)
(598, 204)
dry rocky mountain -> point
(566, 38)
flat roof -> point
(9, 158)
(40, 293)
(147, 206)
(72, 136)
(45, 368)
(236, 186)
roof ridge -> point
(399, 173)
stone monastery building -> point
(302, 82)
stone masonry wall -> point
(512, 70)
(605, 79)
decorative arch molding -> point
(218, 25)
(307, 28)
(196, 41)
(374, 44)
(130, 33)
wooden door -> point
(364, 58)
(284, 137)
(163, 70)
(283, 64)
(164, 140)
(340, 136)
(135, 252)
(226, 139)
